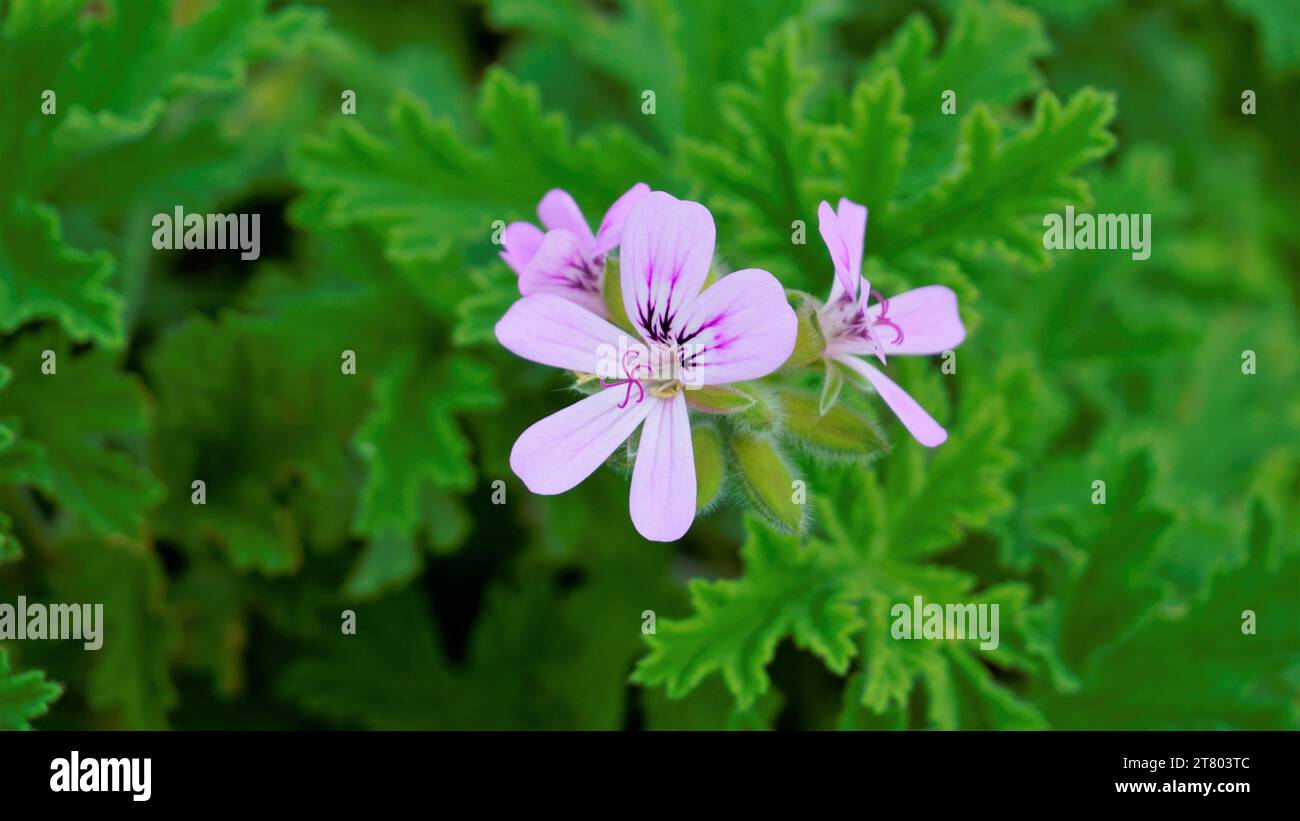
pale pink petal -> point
(520, 240)
(662, 500)
(740, 328)
(559, 267)
(552, 330)
(665, 256)
(611, 227)
(558, 452)
(927, 318)
(853, 224)
(918, 423)
(558, 211)
(845, 250)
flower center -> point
(846, 319)
(644, 376)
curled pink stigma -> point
(884, 319)
(631, 379)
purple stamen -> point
(630, 380)
(884, 319)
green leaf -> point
(41, 277)
(115, 66)
(962, 488)
(341, 680)
(667, 48)
(988, 59)
(133, 59)
(768, 481)
(496, 289)
(411, 441)
(11, 550)
(267, 434)
(1116, 590)
(760, 166)
(1278, 27)
(738, 624)
(1241, 679)
(873, 144)
(412, 438)
(131, 678)
(72, 426)
(709, 706)
(1000, 190)
(6, 435)
(536, 656)
(424, 183)
(24, 696)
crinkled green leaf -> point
(1001, 189)
(1279, 29)
(76, 430)
(130, 680)
(42, 278)
(411, 441)
(265, 433)
(758, 168)
(424, 183)
(962, 487)
(737, 624)
(24, 696)
(987, 58)
(1238, 680)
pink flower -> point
(920, 322)
(740, 328)
(568, 259)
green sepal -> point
(612, 293)
(809, 342)
(831, 387)
(764, 415)
(719, 399)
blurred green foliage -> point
(373, 492)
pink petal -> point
(552, 330)
(843, 234)
(558, 452)
(665, 256)
(918, 423)
(559, 267)
(663, 481)
(740, 328)
(520, 240)
(859, 285)
(853, 224)
(611, 227)
(929, 320)
(558, 211)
